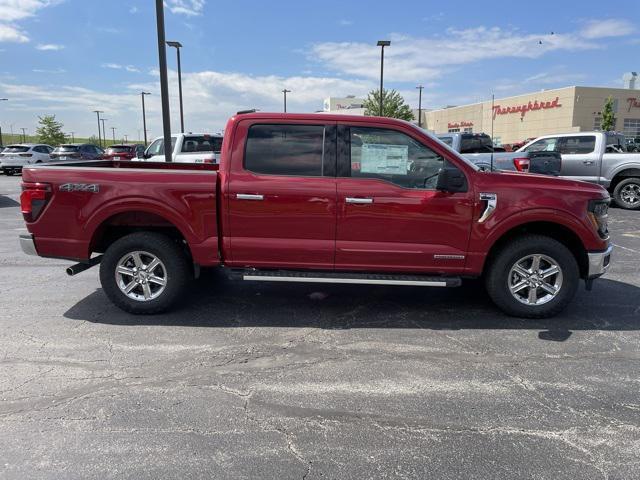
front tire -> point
(627, 193)
(533, 276)
(145, 273)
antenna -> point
(492, 117)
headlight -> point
(599, 215)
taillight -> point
(33, 199)
(522, 164)
(210, 160)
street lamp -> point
(178, 46)
(144, 118)
(382, 44)
(164, 83)
(420, 87)
(104, 133)
(98, 112)
(285, 91)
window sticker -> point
(384, 159)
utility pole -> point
(144, 118)
(104, 134)
(24, 135)
(285, 91)
(98, 112)
(113, 130)
(73, 139)
(420, 87)
(1, 141)
(164, 82)
(178, 46)
(382, 44)
(126, 138)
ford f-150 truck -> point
(478, 147)
(597, 157)
(325, 199)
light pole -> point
(98, 112)
(285, 91)
(73, 139)
(104, 133)
(164, 83)
(113, 130)
(420, 87)
(1, 141)
(144, 118)
(126, 138)
(382, 44)
(24, 135)
(178, 46)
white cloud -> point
(44, 70)
(117, 66)
(418, 59)
(9, 33)
(186, 7)
(133, 9)
(607, 28)
(49, 46)
(345, 23)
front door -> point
(390, 216)
(282, 196)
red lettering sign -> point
(461, 124)
(526, 107)
(633, 103)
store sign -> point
(526, 107)
(461, 124)
(633, 103)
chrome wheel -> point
(630, 194)
(141, 276)
(535, 279)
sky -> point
(70, 57)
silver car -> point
(14, 157)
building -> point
(349, 105)
(561, 110)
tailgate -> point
(546, 163)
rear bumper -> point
(27, 244)
(599, 262)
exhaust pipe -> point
(81, 267)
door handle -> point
(588, 162)
(359, 201)
(249, 196)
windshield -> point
(66, 148)
(16, 149)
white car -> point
(14, 157)
(187, 148)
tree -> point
(393, 105)
(608, 120)
(50, 131)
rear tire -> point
(627, 193)
(513, 275)
(145, 273)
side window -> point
(544, 145)
(285, 150)
(578, 145)
(156, 147)
(393, 156)
(38, 149)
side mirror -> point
(451, 180)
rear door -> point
(281, 195)
(580, 158)
(390, 216)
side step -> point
(357, 278)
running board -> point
(354, 278)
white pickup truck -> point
(597, 157)
(187, 148)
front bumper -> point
(27, 244)
(599, 262)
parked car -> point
(14, 157)
(187, 148)
(590, 156)
(77, 151)
(479, 148)
(124, 152)
(321, 199)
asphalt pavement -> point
(306, 381)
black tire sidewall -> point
(617, 193)
(496, 280)
(177, 267)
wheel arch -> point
(625, 172)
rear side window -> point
(201, 143)
(67, 148)
(544, 145)
(16, 149)
(476, 144)
(578, 145)
(447, 140)
(285, 150)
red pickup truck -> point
(320, 198)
